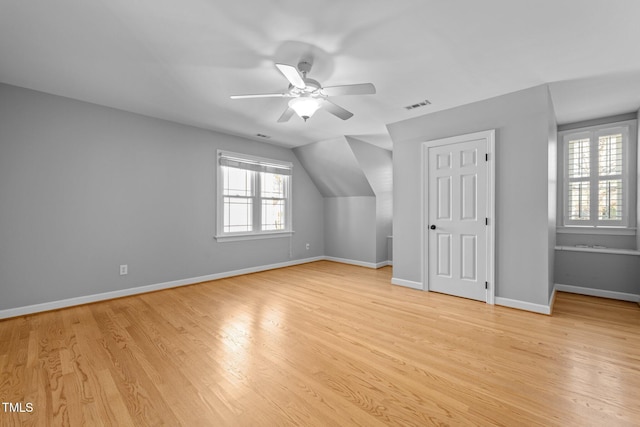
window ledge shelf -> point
(598, 250)
(613, 231)
(239, 237)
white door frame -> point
(489, 137)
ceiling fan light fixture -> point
(307, 95)
(304, 106)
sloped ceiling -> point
(334, 169)
(182, 60)
(347, 167)
(376, 164)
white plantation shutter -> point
(595, 175)
(610, 182)
(578, 178)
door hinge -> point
(486, 157)
(486, 285)
(486, 221)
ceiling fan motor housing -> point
(312, 87)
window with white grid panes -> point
(273, 197)
(238, 199)
(595, 177)
(253, 195)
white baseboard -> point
(622, 296)
(358, 263)
(552, 299)
(70, 302)
(406, 283)
(523, 305)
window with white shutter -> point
(596, 176)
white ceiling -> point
(180, 60)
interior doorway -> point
(458, 216)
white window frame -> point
(256, 233)
(595, 226)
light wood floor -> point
(322, 344)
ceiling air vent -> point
(418, 105)
(262, 135)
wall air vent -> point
(262, 135)
(418, 105)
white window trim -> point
(630, 196)
(234, 237)
(221, 236)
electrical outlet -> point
(124, 269)
(308, 246)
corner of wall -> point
(552, 197)
(638, 181)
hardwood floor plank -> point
(146, 404)
(322, 344)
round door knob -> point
(433, 227)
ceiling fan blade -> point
(292, 74)
(286, 115)
(336, 110)
(261, 95)
(357, 89)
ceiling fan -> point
(308, 95)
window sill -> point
(252, 236)
(598, 250)
(613, 231)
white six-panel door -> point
(457, 232)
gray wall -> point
(609, 272)
(85, 188)
(522, 122)
(377, 165)
(350, 224)
(552, 193)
